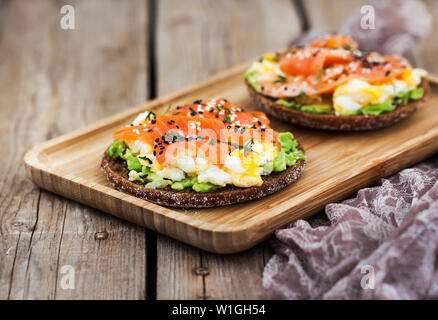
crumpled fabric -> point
(382, 244)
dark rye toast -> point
(117, 173)
(334, 122)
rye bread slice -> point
(117, 173)
(333, 122)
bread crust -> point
(333, 122)
(117, 174)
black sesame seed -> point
(153, 121)
(161, 152)
(155, 153)
(157, 139)
(259, 123)
(387, 73)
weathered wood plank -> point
(196, 39)
(329, 15)
(429, 48)
(52, 81)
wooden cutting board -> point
(338, 165)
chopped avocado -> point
(416, 93)
(251, 77)
(317, 108)
(145, 170)
(346, 112)
(153, 177)
(376, 109)
(287, 141)
(280, 162)
(133, 163)
(177, 186)
(290, 103)
(204, 187)
(309, 107)
(126, 154)
(402, 98)
(158, 184)
(186, 183)
(268, 167)
(291, 160)
(116, 149)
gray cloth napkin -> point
(391, 228)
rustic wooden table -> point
(122, 53)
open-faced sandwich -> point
(331, 84)
(209, 153)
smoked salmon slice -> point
(326, 64)
(211, 128)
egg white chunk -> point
(356, 93)
(215, 176)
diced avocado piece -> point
(268, 167)
(133, 163)
(126, 154)
(416, 94)
(351, 112)
(251, 77)
(317, 108)
(299, 155)
(153, 177)
(376, 109)
(280, 162)
(145, 170)
(290, 103)
(204, 187)
(287, 141)
(158, 184)
(186, 183)
(177, 186)
(402, 98)
(116, 149)
(291, 160)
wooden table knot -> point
(101, 235)
(201, 271)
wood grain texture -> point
(196, 39)
(336, 168)
(51, 82)
(329, 15)
(427, 55)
